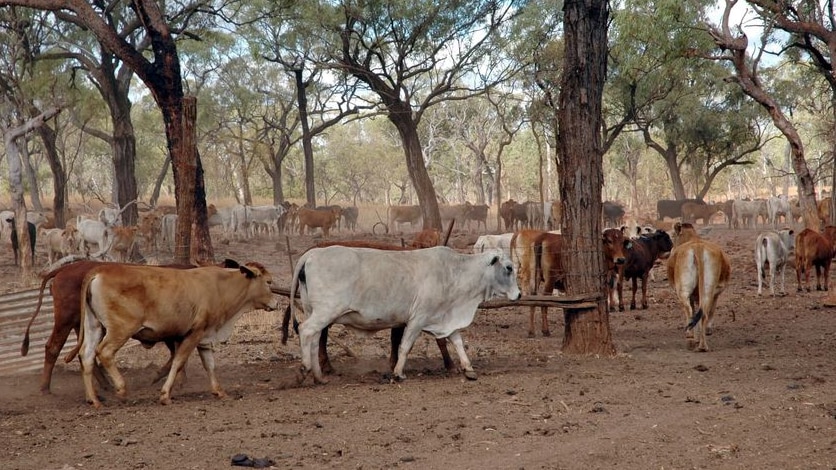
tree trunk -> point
(158, 183)
(24, 260)
(202, 251)
(415, 167)
(246, 191)
(123, 146)
(587, 331)
(59, 174)
(31, 176)
(307, 148)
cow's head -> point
(505, 278)
(663, 241)
(260, 295)
(615, 246)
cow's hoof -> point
(531, 334)
(620, 308)
(320, 380)
(644, 306)
(632, 306)
(301, 374)
(165, 400)
(470, 374)
(220, 394)
(547, 333)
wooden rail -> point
(582, 301)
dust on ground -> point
(762, 397)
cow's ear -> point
(231, 264)
(247, 272)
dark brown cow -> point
(313, 218)
(612, 213)
(692, 211)
(403, 214)
(66, 295)
(350, 215)
(479, 214)
(672, 208)
(513, 214)
(397, 333)
(641, 256)
(814, 249)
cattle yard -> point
(761, 396)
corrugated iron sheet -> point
(15, 311)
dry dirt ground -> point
(763, 397)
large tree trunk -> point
(421, 181)
(579, 122)
(123, 146)
(59, 174)
(31, 176)
(307, 148)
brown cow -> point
(691, 211)
(150, 226)
(426, 238)
(698, 270)
(615, 249)
(324, 219)
(814, 249)
(122, 242)
(397, 333)
(402, 214)
(66, 297)
(524, 257)
(479, 214)
(195, 307)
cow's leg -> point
(759, 269)
(818, 277)
(181, 355)
(532, 313)
(635, 286)
(106, 352)
(60, 333)
(92, 336)
(783, 279)
(544, 318)
(458, 343)
(309, 335)
(395, 342)
(410, 334)
(619, 287)
(208, 359)
(324, 360)
(644, 291)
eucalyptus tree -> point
(412, 56)
(160, 72)
(810, 39)
(27, 85)
(746, 69)
(580, 121)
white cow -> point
(92, 231)
(778, 206)
(436, 290)
(264, 218)
(63, 242)
(773, 249)
(487, 242)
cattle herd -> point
(370, 286)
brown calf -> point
(814, 249)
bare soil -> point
(763, 397)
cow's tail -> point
(298, 276)
(694, 320)
(24, 347)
